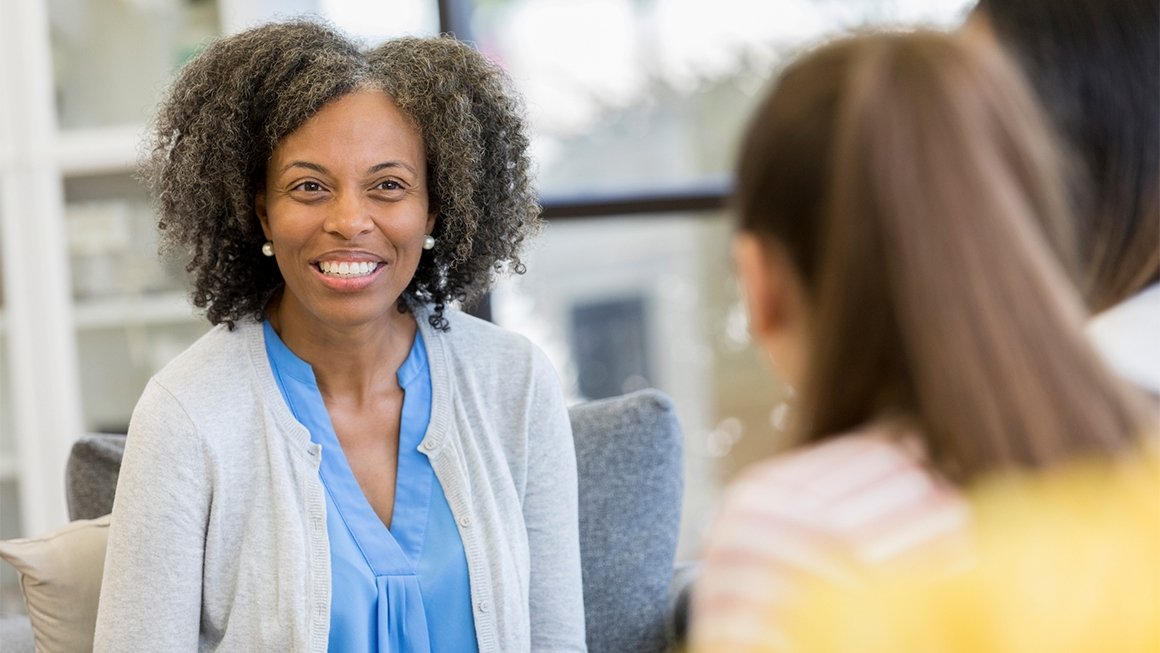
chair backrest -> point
(91, 474)
(629, 458)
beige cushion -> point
(60, 574)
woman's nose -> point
(349, 217)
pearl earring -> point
(268, 248)
(429, 242)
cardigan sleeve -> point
(551, 517)
(152, 588)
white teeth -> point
(347, 268)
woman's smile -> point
(348, 270)
(348, 275)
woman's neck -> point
(354, 362)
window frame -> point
(455, 19)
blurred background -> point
(634, 105)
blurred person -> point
(1065, 561)
(1096, 67)
(345, 461)
(888, 195)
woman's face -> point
(346, 208)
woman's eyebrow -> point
(305, 164)
(390, 164)
(321, 169)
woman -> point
(1095, 67)
(887, 195)
(344, 461)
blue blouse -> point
(385, 583)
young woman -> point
(889, 195)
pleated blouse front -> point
(402, 589)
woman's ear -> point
(776, 301)
(260, 210)
(762, 271)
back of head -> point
(1096, 67)
(905, 174)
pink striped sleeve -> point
(821, 513)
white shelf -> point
(99, 150)
(118, 312)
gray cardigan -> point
(218, 538)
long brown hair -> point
(906, 174)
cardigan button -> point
(483, 606)
(465, 521)
(430, 445)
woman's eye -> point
(389, 184)
(308, 186)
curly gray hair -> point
(231, 105)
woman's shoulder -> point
(478, 344)
(467, 328)
(833, 508)
(214, 388)
(823, 467)
(849, 484)
(214, 364)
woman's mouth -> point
(347, 269)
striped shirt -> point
(825, 511)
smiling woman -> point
(345, 209)
(345, 462)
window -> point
(635, 108)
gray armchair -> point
(630, 467)
(91, 474)
(629, 459)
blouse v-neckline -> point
(387, 551)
